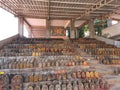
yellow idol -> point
(85, 63)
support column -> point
(48, 30)
(72, 29)
(91, 28)
(109, 22)
(20, 26)
(30, 33)
(77, 33)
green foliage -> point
(81, 32)
(86, 28)
(99, 25)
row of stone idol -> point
(56, 75)
(16, 82)
(9, 54)
(70, 86)
(42, 62)
(43, 65)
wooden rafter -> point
(100, 4)
(48, 9)
(27, 22)
(5, 7)
(59, 8)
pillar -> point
(30, 33)
(20, 26)
(72, 28)
(91, 28)
(77, 33)
(48, 29)
(109, 22)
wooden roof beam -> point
(48, 9)
(45, 17)
(95, 7)
(42, 5)
(106, 9)
(45, 14)
(81, 3)
(86, 22)
(52, 11)
(5, 7)
(27, 22)
(71, 2)
(59, 7)
(114, 5)
(52, 8)
(116, 19)
(97, 12)
(68, 22)
(109, 14)
(63, 2)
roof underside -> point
(61, 9)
